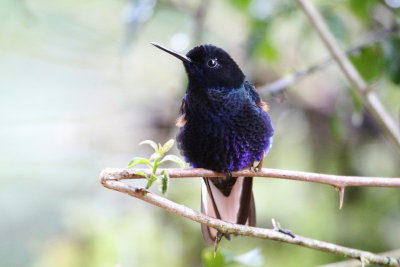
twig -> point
(334, 180)
(372, 103)
(355, 263)
(283, 83)
(236, 229)
(339, 182)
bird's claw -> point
(255, 169)
(259, 165)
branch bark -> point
(355, 263)
(371, 101)
(337, 181)
(244, 230)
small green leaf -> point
(167, 146)
(369, 61)
(362, 8)
(138, 160)
(164, 182)
(150, 143)
(175, 159)
(141, 174)
(155, 160)
(151, 180)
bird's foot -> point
(255, 169)
(259, 165)
(277, 227)
(229, 175)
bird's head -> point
(209, 66)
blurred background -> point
(80, 87)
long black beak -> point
(181, 57)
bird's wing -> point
(255, 96)
(262, 105)
(181, 120)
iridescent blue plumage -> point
(225, 130)
(224, 127)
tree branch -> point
(283, 83)
(372, 103)
(337, 181)
(355, 263)
(236, 229)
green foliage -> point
(225, 258)
(209, 260)
(369, 62)
(392, 59)
(362, 8)
(156, 160)
(240, 4)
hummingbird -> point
(223, 126)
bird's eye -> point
(212, 63)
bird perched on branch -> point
(225, 127)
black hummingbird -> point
(225, 127)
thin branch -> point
(236, 229)
(337, 181)
(355, 263)
(283, 83)
(372, 103)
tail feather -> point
(236, 207)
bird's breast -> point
(219, 106)
(224, 139)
